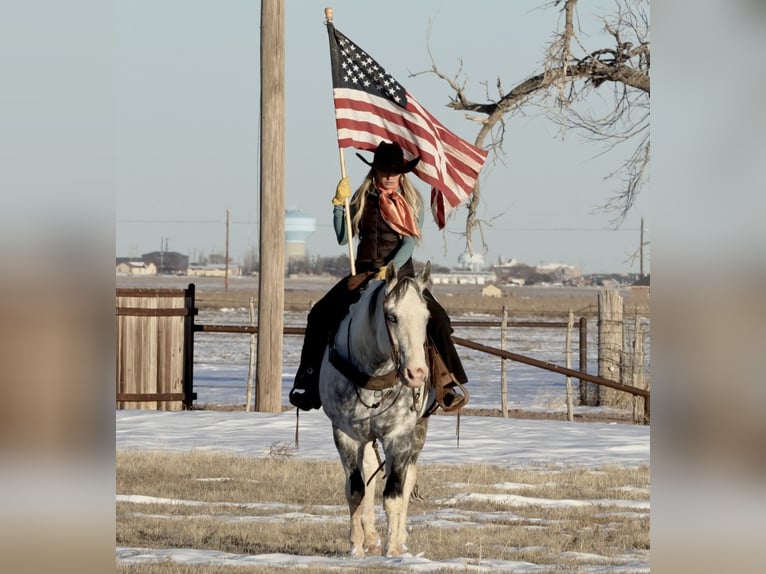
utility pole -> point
(641, 253)
(163, 249)
(271, 279)
(226, 273)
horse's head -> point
(406, 315)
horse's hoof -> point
(357, 552)
(375, 549)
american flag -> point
(371, 106)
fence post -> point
(570, 326)
(583, 359)
(188, 366)
(637, 370)
(610, 343)
(503, 381)
(251, 363)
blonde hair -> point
(411, 195)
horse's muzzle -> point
(414, 377)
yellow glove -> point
(381, 274)
(342, 192)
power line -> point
(187, 221)
(599, 229)
(166, 221)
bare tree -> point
(571, 74)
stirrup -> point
(459, 400)
(440, 373)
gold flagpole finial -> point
(328, 14)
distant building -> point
(130, 267)
(561, 270)
(213, 270)
(492, 290)
(503, 263)
(462, 278)
(168, 262)
(512, 272)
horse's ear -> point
(424, 277)
(391, 273)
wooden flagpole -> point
(346, 203)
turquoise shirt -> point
(406, 248)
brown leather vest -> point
(378, 243)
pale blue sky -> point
(187, 140)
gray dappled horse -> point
(380, 344)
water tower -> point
(298, 228)
(472, 262)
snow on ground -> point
(507, 442)
(220, 378)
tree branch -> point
(568, 80)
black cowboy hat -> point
(389, 158)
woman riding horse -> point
(374, 390)
(386, 215)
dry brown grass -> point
(252, 506)
(520, 301)
(301, 293)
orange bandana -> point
(396, 211)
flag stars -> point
(360, 69)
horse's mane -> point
(395, 295)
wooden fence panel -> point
(154, 346)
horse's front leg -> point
(370, 463)
(350, 452)
(399, 484)
(411, 477)
(360, 502)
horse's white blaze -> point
(408, 332)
